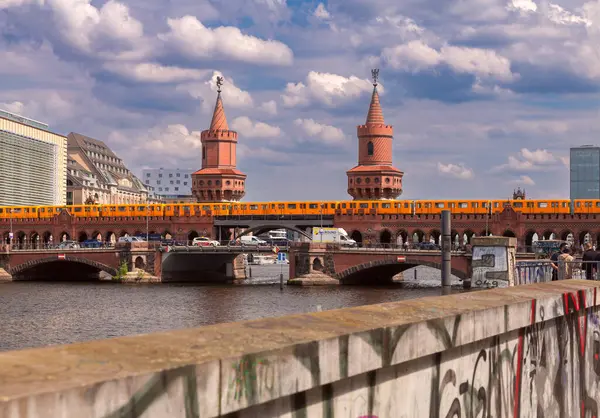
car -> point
(204, 242)
(65, 245)
(247, 240)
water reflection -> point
(38, 314)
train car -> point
(118, 211)
(19, 212)
(586, 206)
(46, 212)
(534, 207)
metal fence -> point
(545, 270)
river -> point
(34, 314)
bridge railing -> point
(540, 271)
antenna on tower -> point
(375, 76)
(219, 83)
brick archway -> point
(463, 275)
(69, 259)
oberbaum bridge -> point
(527, 347)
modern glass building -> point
(585, 172)
(33, 163)
(169, 182)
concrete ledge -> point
(304, 361)
(313, 279)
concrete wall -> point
(522, 351)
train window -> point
(495, 204)
(386, 205)
(141, 207)
(291, 206)
(122, 208)
(281, 206)
(253, 207)
(419, 205)
(186, 208)
(87, 209)
(331, 206)
(518, 204)
(564, 205)
(427, 205)
(474, 204)
(578, 204)
(343, 206)
(1, 210)
(77, 210)
(529, 204)
(439, 205)
(463, 205)
(205, 207)
(588, 204)
(264, 207)
(597, 205)
(236, 207)
(313, 206)
(364, 205)
(406, 206)
(352, 205)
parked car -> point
(131, 239)
(252, 241)
(91, 243)
(65, 245)
(205, 242)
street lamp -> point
(10, 235)
(147, 210)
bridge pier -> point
(310, 265)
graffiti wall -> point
(502, 353)
(493, 262)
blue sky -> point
(484, 95)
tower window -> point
(370, 148)
(204, 153)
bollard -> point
(446, 248)
(250, 269)
(280, 281)
(415, 271)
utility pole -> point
(147, 211)
(446, 248)
(10, 235)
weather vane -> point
(375, 75)
(219, 83)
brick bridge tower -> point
(374, 177)
(219, 179)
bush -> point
(122, 272)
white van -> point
(251, 241)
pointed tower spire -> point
(375, 115)
(219, 120)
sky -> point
(484, 95)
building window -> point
(147, 181)
(166, 189)
(177, 174)
(171, 182)
(176, 189)
(228, 183)
(370, 148)
(160, 189)
(185, 183)
(170, 174)
(160, 175)
(186, 176)
(204, 153)
(157, 181)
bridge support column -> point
(311, 265)
(493, 263)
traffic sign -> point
(62, 257)
(281, 256)
(401, 259)
(10, 235)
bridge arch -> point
(383, 271)
(18, 270)
(260, 228)
(357, 236)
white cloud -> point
(232, 95)
(321, 12)
(523, 181)
(457, 171)
(326, 133)
(13, 107)
(326, 88)
(416, 56)
(149, 72)
(269, 107)
(245, 127)
(522, 5)
(561, 16)
(527, 160)
(162, 146)
(7, 4)
(191, 38)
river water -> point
(34, 314)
